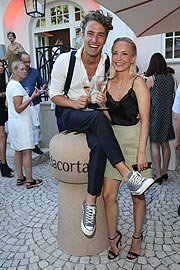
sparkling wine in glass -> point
(101, 82)
(88, 87)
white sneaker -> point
(138, 184)
(88, 222)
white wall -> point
(146, 47)
(120, 29)
(21, 24)
(149, 45)
(4, 4)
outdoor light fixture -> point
(35, 8)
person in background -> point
(176, 119)
(172, 71)
(13, 50)
(32, 80)
(78, 40)
(6, 171)
(128, 100)
(176, 123)
(90, 63)
(20, 125)
(161, 85)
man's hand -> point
(45, 87)
(1, 68)
(177, 146)
(82, 102)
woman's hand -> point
(35, 94)
(100, 99)
(142, 162)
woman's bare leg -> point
(18, 160)
(156, 157)
(166, 154)
(3, 139)
(110, 190)
(27, 164)
(139, 211)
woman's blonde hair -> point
(133, 67)
(14, 67)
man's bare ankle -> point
(90, 200)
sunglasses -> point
(135, 166)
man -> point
(176, 120)
(90, 63)
(33, 79)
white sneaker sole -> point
(85, 231)
(142, 189)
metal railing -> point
(45, 58)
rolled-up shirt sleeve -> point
(58, 76)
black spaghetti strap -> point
(134, 80)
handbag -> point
(35, 116)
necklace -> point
(122, 85)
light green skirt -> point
(128, 138)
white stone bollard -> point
(69, 155)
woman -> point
(161, 85)
(5, 170)
(20, 125)
(128, 100)
(13, 50)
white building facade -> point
(62, 20)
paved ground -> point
(28, 228)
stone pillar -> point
(69, 156)
(48, 126)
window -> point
(60, 14)
(172, 45)
(79, 14)
(41, 22)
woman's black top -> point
(125, 111)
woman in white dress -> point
(20, 125)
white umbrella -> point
(147, 17)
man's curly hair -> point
(98, 16)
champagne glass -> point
(101, 82)
(88, 87)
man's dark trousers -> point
(100, 139)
